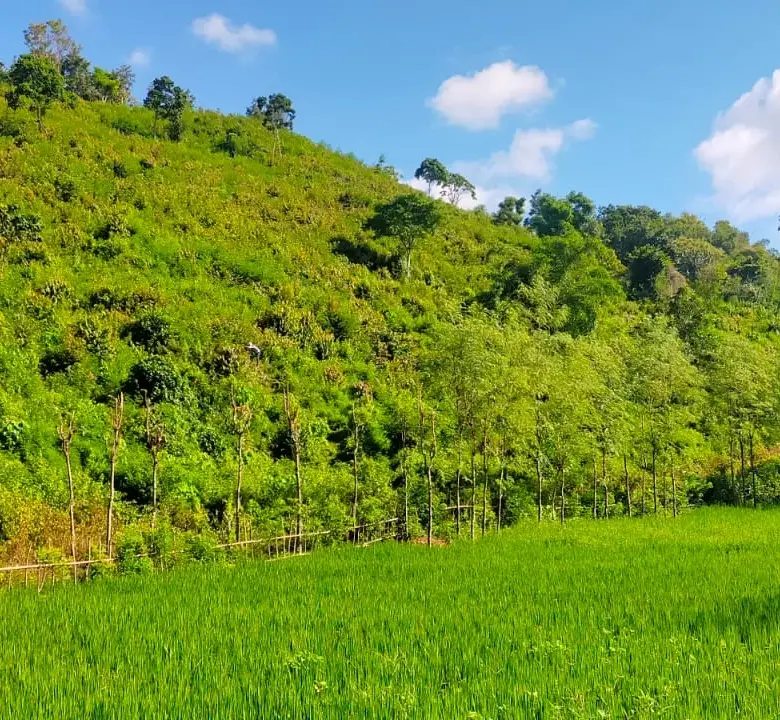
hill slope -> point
(136, 265)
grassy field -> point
(619, 619)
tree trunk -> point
(731, 461)
(604, 481)
(484, 480)
(355, 492)
(655, 482)
(155, 469)
(753, 471)
(117, 420)
(239, 483)
(406, 484)
(628, 484)
(473, 487)
(595, 489)
(72, 511)
(674, 487)
(431, 456)
(299, 493)
(742, 467)
(539, 480)
(501, 496)
(563, 494)
(644, 483)
(457, 483)
(665, 500)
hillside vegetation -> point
(243, 332)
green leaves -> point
(37, 80)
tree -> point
(407, 219)
(117, 420)
(511, 211)
(433, 172)
(169, 102)
(456, 187)
(52, 41)
(276, 111)
(155, 442)
(241, 422)
(549, 215)
(292, 413)
(125, 77)
(66, 431)
(37, 80)
(77, 73)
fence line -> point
(287, 549)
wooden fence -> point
(275, 548)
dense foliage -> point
(590, 620)
(303, 342)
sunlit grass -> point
(642, 618)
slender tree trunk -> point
(457, 482)
(501, 495)
(239, 483)
(66, 431)
(604, 480)
(299, 493)
(674, 486)
(432, 457)
(71, 511)
(355, 471)
(117, 420)
(731, 461)
(665, 500)
(595, 489)
(539, 481)
(563, 494)
(644, 484)
(405, 472)
(628, 483)
(753, 471)
(155, 470)
(473, 487)
(655, 481)
(484, 479)
(742, 467)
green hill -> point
(586, 360)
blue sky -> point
(630, 102)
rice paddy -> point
(619, 619)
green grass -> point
(612, 619)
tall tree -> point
(456, 187)
(117, 421)
(66, 431)
(511, 211)
(408, 219)
(433, 172)
(169, 102)
(37, 80)
(50, 40)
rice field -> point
(619, 619)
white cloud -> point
(217, 30)
(479, 101)
(76, 7)
(530, 155)
(140, 57)
(742, 155)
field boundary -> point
(276, 548)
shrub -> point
(152, 332)
(129, 546)
(157, 378)
(56, 361)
